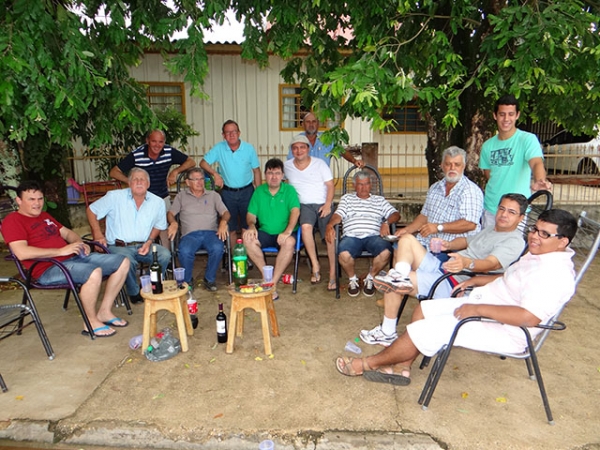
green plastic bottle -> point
(240, 264)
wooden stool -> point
(261, 302)
(172, 299)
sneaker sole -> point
(368, 294)
(387, 287)
(353, 294)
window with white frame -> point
(163, 95)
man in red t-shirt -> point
(33, 233)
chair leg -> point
(3, 384)
(30, 304)
(86, 321)
(66, 301)
(538, 375)
(434, 376)
(296, 263)
(125, 301)
(401, 308)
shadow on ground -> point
(103, 393)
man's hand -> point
(218, 180)
(384, 229)
(401, 232)
(325, 210)
(101, 240)
(360, 163)
(466, 310)
(329, 234)
(540, 185)
(427, 229)
(172, 230)
(172, 178)
(222, 230)
(250, 235)
(144, 249)
(456, 263)
(282, 237)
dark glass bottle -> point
(240, 264)
(221, 325)
(156, 273)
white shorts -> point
(430, 334)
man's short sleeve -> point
(176, 204)
(127, 163)
(177, 156)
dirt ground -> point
(103, 393)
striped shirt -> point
(157, 169)
(362, 217)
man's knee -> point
(345, 257)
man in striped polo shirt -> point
(364, 218)
(156, 158)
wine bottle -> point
(156, 273)
(240, 264)
(221, 325)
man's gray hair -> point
(135, 170)
(454, 151)
(361, 175)
(193, 170)
(156, 130)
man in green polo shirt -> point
(272, 218)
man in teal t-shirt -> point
(509, 158)
(272, 218)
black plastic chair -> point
(348, 186)
(585, 245)
(226, 264)
(15, 318)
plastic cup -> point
(435, 244)
(268, 273)
(179, 273)
(146, 283)
(266, 445)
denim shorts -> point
(267, 240)
(81, 268)
(355, 246)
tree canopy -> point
(64, 63)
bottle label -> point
(221, 327)
(239, 268)
(153, 276)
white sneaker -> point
(393, 281)
(377, 336)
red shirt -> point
(42, 231)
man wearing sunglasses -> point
(530, 292)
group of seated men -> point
(451, 213)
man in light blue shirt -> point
(310, 123)
(238, 174)
(134, 219)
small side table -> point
(261, 302)
(174, 300)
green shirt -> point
(273, 211)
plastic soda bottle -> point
(240, 264)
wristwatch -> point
(472, 265)
(440, 228)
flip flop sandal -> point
(112, 323)
(315, 278)
(379, 376)
(105, 327)
(331, 285)
(347, 369)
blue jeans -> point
(237, 204)
(80, 268)
(200, 240)
(131, 282)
